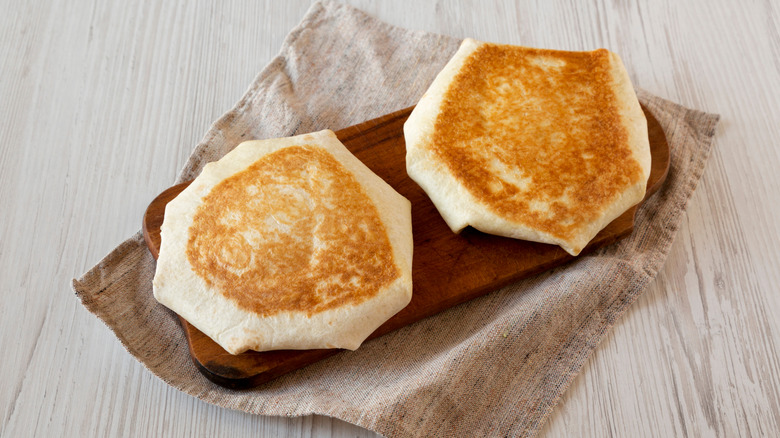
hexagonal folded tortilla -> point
(289, 243)
(542, 145)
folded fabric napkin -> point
(494, 366)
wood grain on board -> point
(448, 268)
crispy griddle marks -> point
(536, 135)
(295, 231)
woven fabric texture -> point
(494, 366)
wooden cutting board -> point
(448, 269)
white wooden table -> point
(90, 91)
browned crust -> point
(295, 231)
(551, 117)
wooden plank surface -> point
(89, 91)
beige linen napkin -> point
(494, 366)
